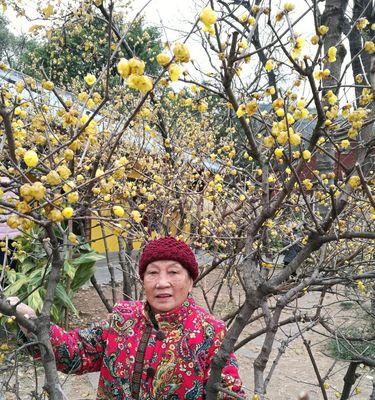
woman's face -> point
(166, 284)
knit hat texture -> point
(168, 248)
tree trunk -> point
(361, 8)
(333, 17)
(260, 362)
(349, 379)
(125, 267)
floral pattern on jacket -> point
(137, 361)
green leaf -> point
(26, 266)
(55, 313)
(11, 275)
(91, 257)
(69, 269)
(35, 301)
(63, 298)
(83, 274)
(15, 287)
(85, 247)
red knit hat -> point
(168, 248)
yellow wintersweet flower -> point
(142, 83)
(318, 75)
(118, 211)
(55, 215)
(282, 137)
(136, 215)
(90, 79)
(53, 178)
(96, 97)
(48, 11)
(72, 238)
(301, 103)
(73, 197)
(241, 111)
(366, 97)
(294, 139)
(123, 68)
(268, 141)
(209, 29)
(13, 221)
(296, 154)
(145, 84)
(361, 286)
(269, 223)
(25, 192)
(308, 184)
(289, 7)
(83, 96)
(314, 39)
(68, 154)
(163, 59)
(362, 23)
(331, 97)
(31, 158)
(270, 91)
(251, 20)
(278, 103)
(202, 106)
(243, 17)
(251, 107)
(369, 47)
(19, 85)
(279, 152)
(306, 155)
(137, 66)
(38, 191)
(64, 171)
(332, 54)
(271, 178)
(174, 72)
(181, 52)
(208, 16)
(354, 181)
(270, 65)
(298, 45)
(67, 212)
(345, 144)
(23, 207)
(48, 85)
(323, 29)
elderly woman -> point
(157, 349)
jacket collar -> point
(171, 319)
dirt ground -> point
(293, 374)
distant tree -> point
(71, 50)
(12, 46)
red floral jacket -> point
(137, 361)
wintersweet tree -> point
(271, 149)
